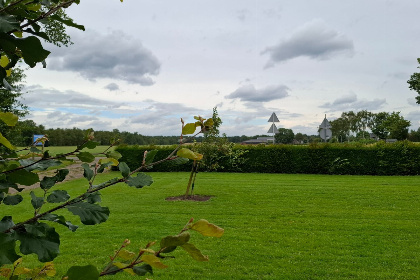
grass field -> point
(54, 150)
(276, 226)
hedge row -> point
(401, 158)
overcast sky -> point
(140, 65)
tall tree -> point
(379, 127)
(397, 126)
(284, 136)
(414, 83)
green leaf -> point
(61, 174)
(126, 255)
(8, 23)
(89, 145)
(90, 214)
(68, 22)
(150, 156)
(139, 181)
(39, 239)
(31, 47)
(36, 202)
(59, 220)
(93, 197)
(187, 153)
(58, 196)
(87, 173)
(13, 199)
(189, 128)
(209, 122)
(207, 229)
(23, 177)
(194, 252)
(153, 261)
(179, 160)
(175, 240)
(88, 272)
(6, 142)
(6, 223)
(86, 156)
(41, 166)
(7, 253)
(114, 154)
(143, 270)
(9, 118)
(125, 170)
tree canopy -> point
(414, 83)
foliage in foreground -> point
(37, 237)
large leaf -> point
(139, 181)
(58, 196)
(36, 202)
(39, 239)
(86, 157)
(59, 220)
(143, 270)
(207, 229)
(9, 118)
(194, 252)
(31, 47)
(187, 153)
(41, 166)
(125, 170)
(89, 145)
(7, 253)
(153, 261)
(13, 199)
(23, 177)
(6, 223)
(87, 172)
(88, 272)
(8, 23)
(175, 240)
(90, 214)
(150, 156)
(113, 154)
(6, 142)
(189, 128)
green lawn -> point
(276, 226)
(54, 150)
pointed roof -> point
(325, 123)
(273, 118)
(273, 129)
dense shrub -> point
(401, 158)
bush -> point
(400, 158)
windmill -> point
(325, 129)
(273, 129)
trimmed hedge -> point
(401, 158)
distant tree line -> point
(350, 126)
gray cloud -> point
(40, 97)
(314, 40)
(351, 102)
(113, 56)
(157, 112)
(112, 87)
(249, 93)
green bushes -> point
(400, 158)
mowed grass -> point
(276, 226)
(54, 150)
